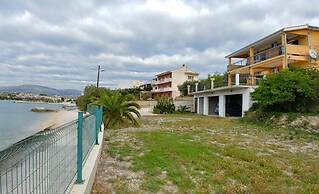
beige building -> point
(165, 84)
(295, 46)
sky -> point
(60, 43)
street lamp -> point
(98, 75)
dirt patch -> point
(110, 171)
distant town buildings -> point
(20, 96)
(165, 84)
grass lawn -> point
(197, 154)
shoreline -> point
(37, 102)
(58, 118)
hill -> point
(37, 89)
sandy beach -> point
(59, 118)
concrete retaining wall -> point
(89, 168)
(149, 105)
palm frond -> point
(118, 111)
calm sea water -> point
(18, 122)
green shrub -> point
(291, 90)
(164, 106)
(259, 116)
(183, 109)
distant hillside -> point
(36, 89)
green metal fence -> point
(50, 161)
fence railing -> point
(261, 56)
(48, 162)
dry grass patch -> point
(197, 154)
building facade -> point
(166, 84)
(296, 46)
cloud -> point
(60, 43)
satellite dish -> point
(313, 54)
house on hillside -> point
(296, 46)
(165, 84)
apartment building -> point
(296, 46)
(165, 84)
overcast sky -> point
(60, 43)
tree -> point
(133, 93)
(117, 110)
(91, 93)
(219, 81)
(290, 90)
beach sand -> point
(59, 118)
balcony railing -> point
(261, 56)
(167, 89)
(161, 81)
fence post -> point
(97, 129)
(101, 117)
(79, 178)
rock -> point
(127, 158)
(314, 122)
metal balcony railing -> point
(160, 81)
(261, 56)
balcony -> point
(162, 81)
(167, 89)
(258, 57)
(297, 52)
(269, 56)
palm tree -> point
(117, 110)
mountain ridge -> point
(38, 89)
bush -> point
(164, 106)
(183, 109)
(258, 116)
(146, 95)
(291, 90)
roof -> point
(163, 73)
(188, 71)
(234, 87)
(272, 36)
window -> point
(190, 77)
(295, 42)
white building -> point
(295, 46)
(165, 84)
(223, 101)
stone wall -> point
(149, 104)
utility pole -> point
(98, 76)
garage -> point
(213, 108)
(234, 105)
(195, 105)
(201, 105)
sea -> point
(17, 122)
